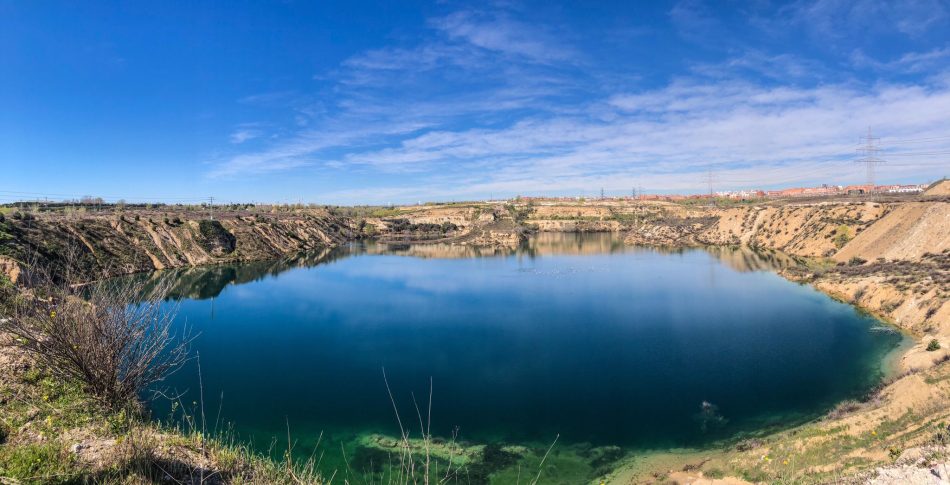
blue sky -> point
(366, 102)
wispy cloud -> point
(780, 67)
(843, 19)
(244, 134)
(910, 62)
(497, 31)
(489, 103)
(753, 136)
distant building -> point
(858, 189)
(900, 189)
(741, 194)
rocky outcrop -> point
(102, 246)
(464, 224)
(813, 230)
(215, 239)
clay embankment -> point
(116, 243)
(475, 225)
(102, 246)
(892, 258)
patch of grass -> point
(842, 236)
(934, 345)
(385, 212)
(36, 462)
(755, 476)
(715, 473)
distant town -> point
(824, 190)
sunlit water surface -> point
(573, 335)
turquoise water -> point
(574, 336)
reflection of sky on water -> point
(208, 282)
(611, 344)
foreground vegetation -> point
(72, 369)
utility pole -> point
(709, 179)
(870, 149)
(601, 193)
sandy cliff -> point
(97, 246)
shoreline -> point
(893, 265)
(643, 457)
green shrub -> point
(842, 236)
(934, 345)
(894, 452)
(214, 238)
(856, 261)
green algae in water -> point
(573, 336)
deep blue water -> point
(574, 336)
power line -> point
(870, 149)
(50, 194)
(709, 178)
(919, 154)
(917, 140)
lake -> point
(572, 335)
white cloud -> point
(752, 136)
(421, 58)
(780, 67)
(498, 32)
(244, 134)
(850, 19)
(910, 62)
(664, 138)
(521, 116)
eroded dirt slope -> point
(907, 231)
(121, 244)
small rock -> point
(77, 448)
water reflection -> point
(200, 283)
(571, 334)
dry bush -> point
(111, 337)
(844, 408)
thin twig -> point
(545, 457)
